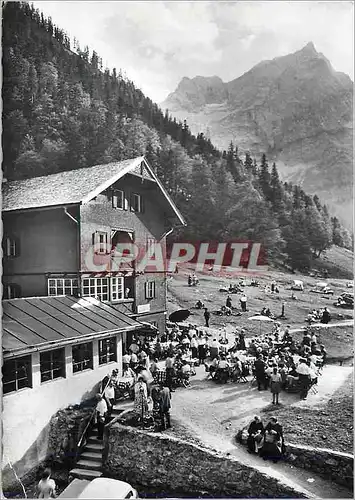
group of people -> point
(320, 315)
(192, 280)
(283, 364)
(266, 441)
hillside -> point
(62, 110)
(297, 109)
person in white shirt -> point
(46, 486)
(101, 412)
(110, 393)
(303, 371)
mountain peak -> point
(309, 48)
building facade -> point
(60, 236)
(70, 308)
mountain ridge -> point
(278, 106)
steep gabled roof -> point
(73, 187)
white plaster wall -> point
(26, 413)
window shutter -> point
(146, 290)
(142, 204)
(131, 202)
(154, 289)
(114, 199)
(16, 291)
(17, 247)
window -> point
(96, 287)
(52, 364)
(118, 200)
(100, 242)
(16, 374)
(82, 357)
(11, 247)
(63, 286)
(150, 290)
(117, 289)
(150, 243)
(11, 291)
(136, 203)
(107, 350)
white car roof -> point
(107, 488)
(321, 284)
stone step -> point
(94, 440)
(91, 455)
(94, 446)
(85, 473)
(89, 464)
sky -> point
(158, 43)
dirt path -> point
(214, 413)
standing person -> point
(275, 385)
(260, 375)
(110, 396)
(207, 317)
(283, 309)
(214, 348)
(194, 346)
(101, 413)
(189, 280)
(229, 302)
(169, 370)
(243, 303)
(46, 486)
(201, 349)
(164, 407)
(326, 317)
(304, 377)
(140, 399)
(272, 286)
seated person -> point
(213, 366)
(255, 434)
(223, 365)
(185, 370)
(272, 443)
(199, 305)
(292, 376)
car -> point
(98, 488)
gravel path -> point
(213, 414)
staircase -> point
(89, 465)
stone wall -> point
(333, 465)
(66, 429)
(175, 467)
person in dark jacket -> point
(260, 375)
(326, 317)
(207, 317)
(273, 445)
(229, 302)
(255, 434)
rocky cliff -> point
(296, 108)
